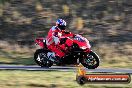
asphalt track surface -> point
(64, 68)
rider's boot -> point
(52, 57)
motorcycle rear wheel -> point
(40, 57)
(92, 61)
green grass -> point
(46, 79)
(17, 61)
(17, 58)
(116, 62)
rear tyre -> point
(92, 61)
(40, 57)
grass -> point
(114, 56)
(17, 61)
(16, 58)
(116, 62)
(46, 79)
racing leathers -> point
(53, 41)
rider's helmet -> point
(61, 24)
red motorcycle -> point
(79, 52)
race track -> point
(64, 68)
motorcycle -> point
(79, 52)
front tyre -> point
(40, 57)
(92, 61)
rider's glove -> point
(74, 35)
(62, 41)
(67, 32)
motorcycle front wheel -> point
(92, 61)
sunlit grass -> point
(115, 55)
(17, 61)
(46, 79)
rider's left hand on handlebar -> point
(62, 41)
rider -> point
(53, 40)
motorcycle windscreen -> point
(82, 42)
